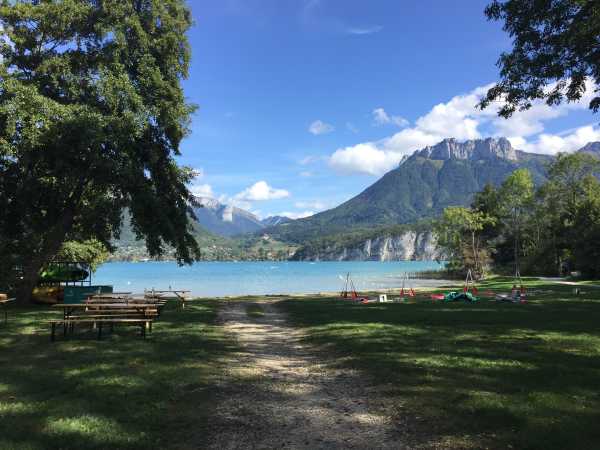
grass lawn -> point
(255, 310)
(483, 375)
(118, 393)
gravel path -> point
(279, 393)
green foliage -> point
(551, 230)
(555, 49)
(515, 207)
(586, 230)
(92, 252)
(566, 203)
(212, 247)
(92, 114)
(459, 234)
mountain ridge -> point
(424, 183)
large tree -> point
(92, 114)
(560, 202)
(555, 49)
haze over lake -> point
(215, 279)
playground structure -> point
(349, 291)
(66, 281)
(407, 289)
(351, 294)
(518, 293)
(469, 292)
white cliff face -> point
(478, 149)
(411, 246)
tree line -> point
(517, 228)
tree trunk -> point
(475, 254)
(52, 243)
(27, 283)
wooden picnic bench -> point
(4, 302)
(69, 309)
(145, 323)
(178, 294)
(109, 299)
(101, 314)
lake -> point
(217, 279)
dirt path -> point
(288, 396)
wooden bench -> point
(3, 302)
(144, 322)
(160, 304)
(180, 295)
(101, 308)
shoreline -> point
(417, 285)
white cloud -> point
(295, 215)
(261, 191)
(316, 205)
(202, 190)
(319, 127)
(310, 159)
(565, 142)
(351, 127)
(461, 119)
(380, 117)
(366, 158)
(306, 174)
(364, 30)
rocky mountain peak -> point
(208, 202)
(473, 150)
(225, 220)
(591, 147)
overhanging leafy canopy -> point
(556, 48)
(92, 114)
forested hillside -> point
(446, 174)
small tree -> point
(515, 205)
(459, 234)
(92, 114)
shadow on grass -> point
(121, 392)
(480, 375)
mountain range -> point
(226, 220)
(378, 222)
(445, 174)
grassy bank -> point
(119, 393)
(482, 375)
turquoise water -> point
(215, 279)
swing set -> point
(518, 293)
(351, 294)
(469, 291)
(407, 287)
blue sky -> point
(304, 103)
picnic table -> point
(179, 294)
(3, 303)
(97, 315)
(70, 309)
(107, 299)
